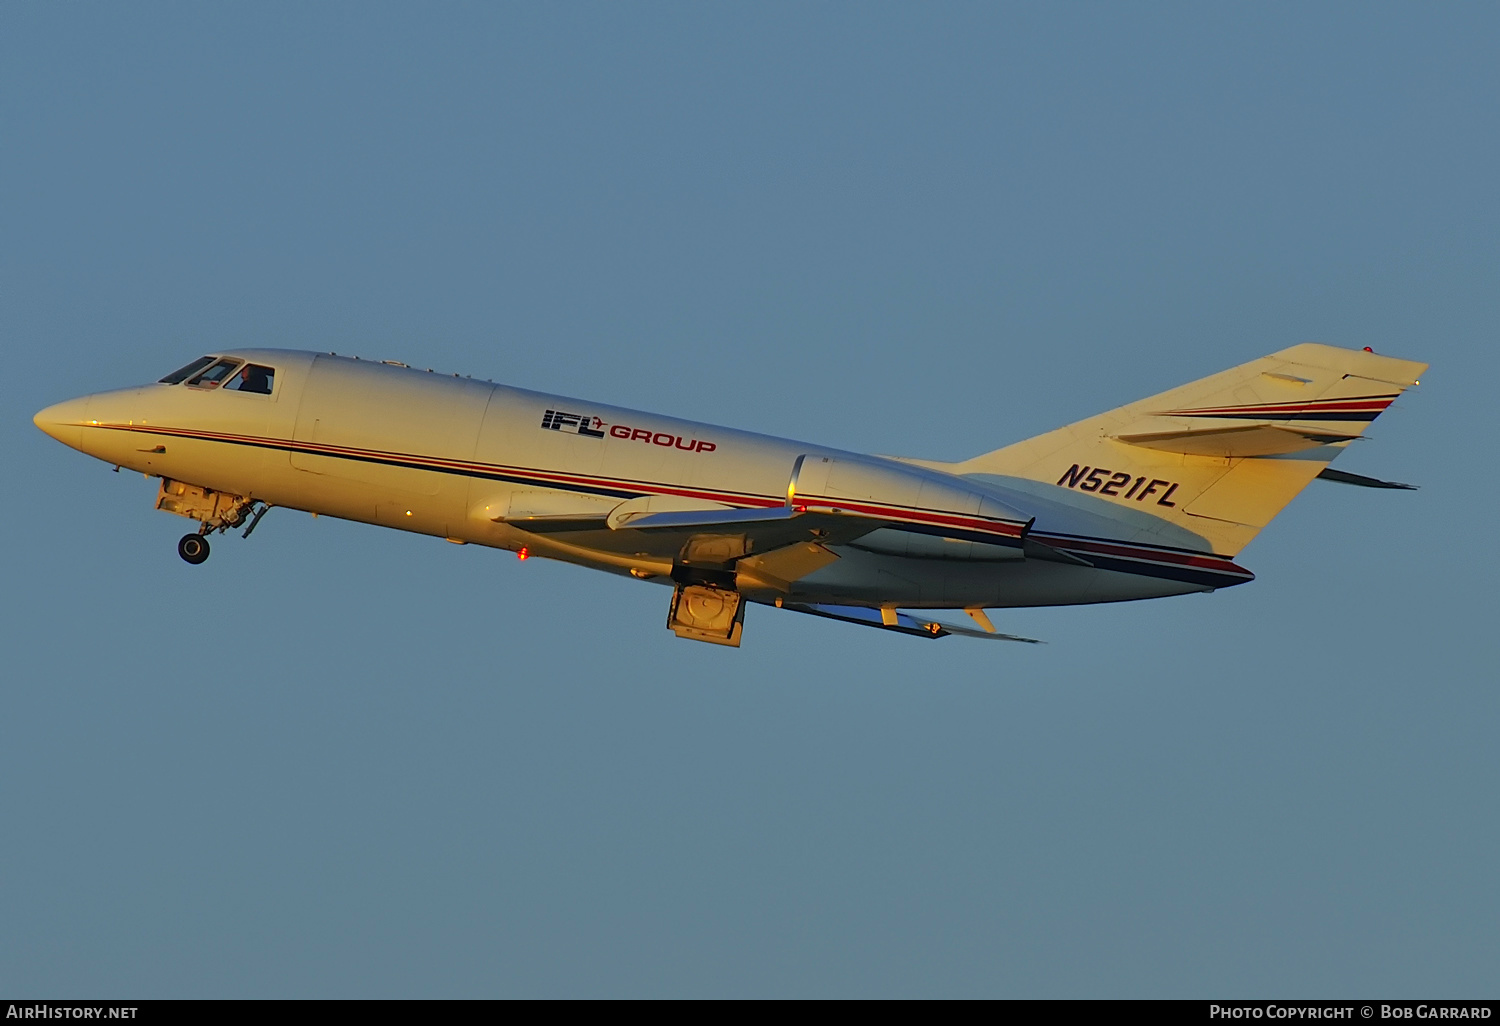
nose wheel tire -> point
(193, 548)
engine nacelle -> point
(933, 515)
(890, 542)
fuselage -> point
(483, 463)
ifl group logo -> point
(573, 423)
(594, 427)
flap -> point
(779, 568)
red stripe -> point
(1006, 529)
(1324, 406)
(1359, 408)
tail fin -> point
(1217, 458)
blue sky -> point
(339, 761)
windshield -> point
(192, 368)
(215, 374)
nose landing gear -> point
(193, 548)
(215, 511)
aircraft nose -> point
(64, 421)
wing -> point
(765, 547)
(901, 623)
(774, 545)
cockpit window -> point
(192, 368)
(215, 375)
(253, 377)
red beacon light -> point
(523, 553)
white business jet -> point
(1155, 498)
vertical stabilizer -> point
(1214, 460)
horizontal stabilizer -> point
(1235, 442)
(1344, 477)
(904, 623)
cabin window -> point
(215, 375)
(185, 372)
(252, 377)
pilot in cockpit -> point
(254, 378)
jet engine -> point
(936, 517)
